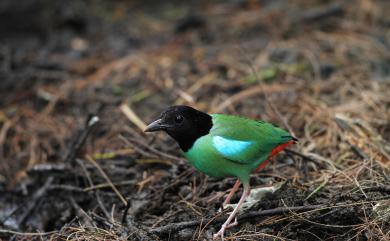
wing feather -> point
(245, 141)
(230, 148)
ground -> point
(79, 80)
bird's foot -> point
(225, 226)
(220, 233)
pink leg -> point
(233, 224)
(234, 189)
(245, 194)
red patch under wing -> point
(275, 151)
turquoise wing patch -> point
(230, 148)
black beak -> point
(155, 126)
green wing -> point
(245, 141)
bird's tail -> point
(294, 139)
(290, 138)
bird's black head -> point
(183, 123)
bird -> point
(220, 145)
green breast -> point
(205, 158)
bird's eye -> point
(179, 119)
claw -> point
(225, 226)
(220, 233)
(228, 223)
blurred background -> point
(320, 68)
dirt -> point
(319, 68)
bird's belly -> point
(205, 158)
(207, 163)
